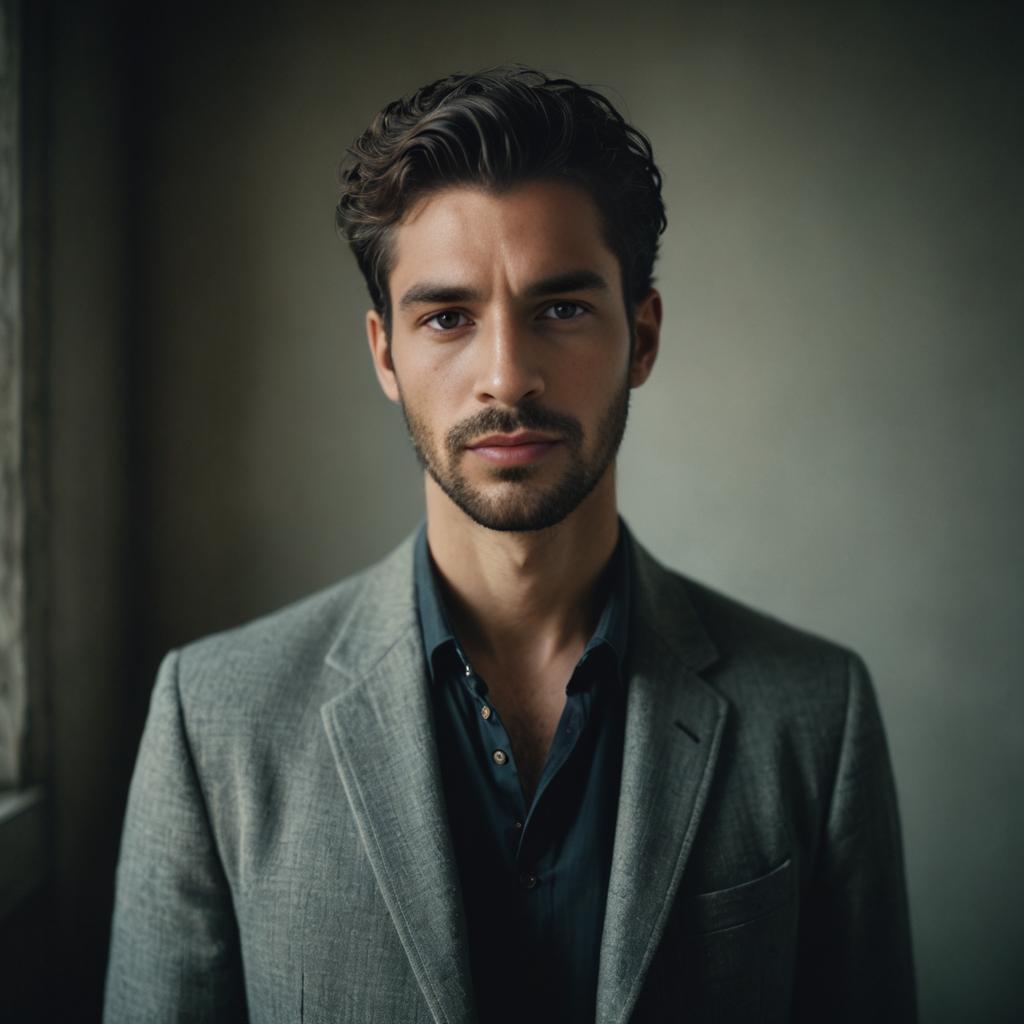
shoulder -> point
(732, 629)
(758, 642)
(770, 671)
(280, 657)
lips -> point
(514, 449)
(513, 440)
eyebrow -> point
(426, 292)
(571, 281)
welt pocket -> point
(739, 904)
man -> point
(518, 770)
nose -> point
(509, 370)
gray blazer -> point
(286, 855)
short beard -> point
(521, 510)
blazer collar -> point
(382, 611)
(381, 731)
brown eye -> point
(447, 320)
(564, 311)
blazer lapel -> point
(381, 732)
(674, 723)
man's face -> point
(510, 351)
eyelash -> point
(580, 310)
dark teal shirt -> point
(534, 879)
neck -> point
(523, 597)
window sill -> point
(22, 846)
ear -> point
(647, 330)
(380, 352)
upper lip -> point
(510, 440)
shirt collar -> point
(611, 632)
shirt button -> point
(500, 757)
(485, 711)
(528, 881)
(517, 825)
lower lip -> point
(515, 454)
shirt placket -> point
(529, 851)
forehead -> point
(468, 234)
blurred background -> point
(193, 435)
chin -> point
(522, 508)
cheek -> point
(427, 403)
(590, 379)
(427, 371)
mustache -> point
(507, 421)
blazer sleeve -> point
(856, 962)
(174, 953)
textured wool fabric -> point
(286, 854)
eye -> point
(564, 311)
(447, 320)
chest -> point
(530, 711)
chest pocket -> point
(741, 904)
(727, 956)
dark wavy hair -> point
(496, 129)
